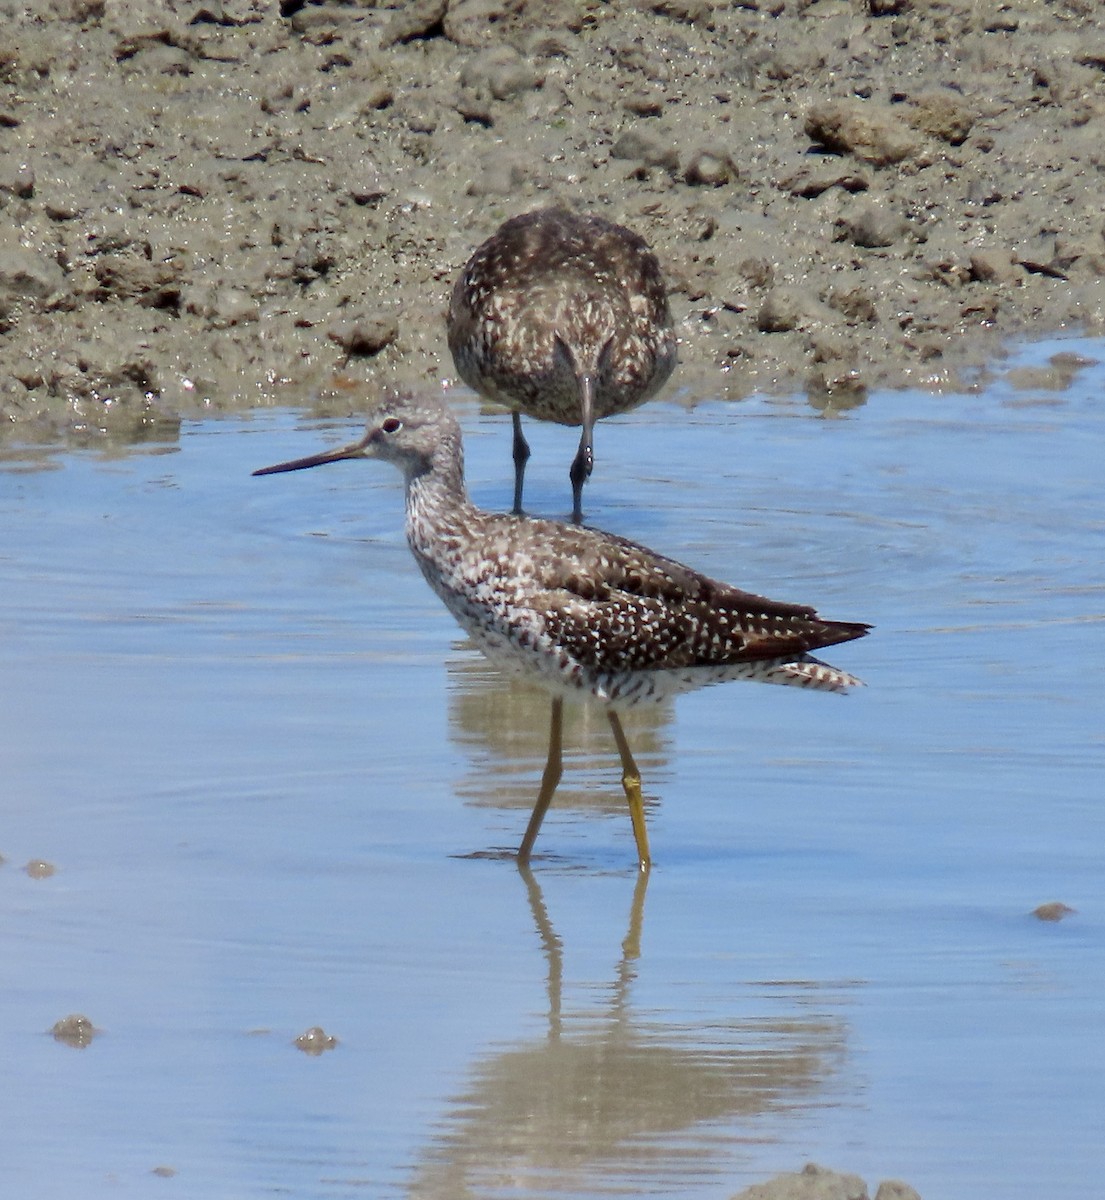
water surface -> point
(272, 776)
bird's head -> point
(404, 429)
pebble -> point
(787, 308)
(491, 22)
(689, 12)
(19, 179)
(415, 19)
(895, 1189)
(874, 226)
(942, 115)
(709, 168)
(872, 132)
(856, 304)
(500, 73)
(644, 104)
(811, 1183)
(25, 275)
(993, 266)
(364, 335)
(649, 149)
(812, 182)
(223, 307)
(75, 1030)
(315, 1041)
(498, 175)
(134, 277)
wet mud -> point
(217, 205)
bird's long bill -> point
(353, 450)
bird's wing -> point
(614, 605)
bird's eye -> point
(392, 425)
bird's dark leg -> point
(584, 460)
(549, 780)
(521, 457)
(631, 782)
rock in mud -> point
(874, 133)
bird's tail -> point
(809, 672)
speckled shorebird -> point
(577, 610)
(564, 318)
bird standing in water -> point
(564, 318)
(574, 609)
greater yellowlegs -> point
(564, 318)
(575, 609)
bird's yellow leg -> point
(631, 782)
(549, 780)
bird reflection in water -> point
(502, 724)
(620, 1100)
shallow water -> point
(269, 773)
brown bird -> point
(576, 610)
(564, 318)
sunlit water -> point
(261, 759)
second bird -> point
(564, 318)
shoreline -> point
(210, 208)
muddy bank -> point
(209, 205)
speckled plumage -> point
(564, 318)
(576, 609)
